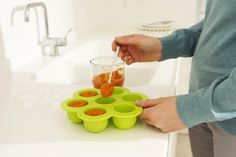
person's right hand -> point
(138, 48)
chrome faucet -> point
(47, 43)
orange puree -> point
(95, 112)
(88, 94)
(106, 89)
(117, 78)
(100, 79)
(77, 103)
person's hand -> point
(138, 48)
(161, 113)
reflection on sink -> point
(74, 68)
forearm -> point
(181, 43)
(214, 103)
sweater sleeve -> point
(214, 103)
(181, 43)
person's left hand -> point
(161, 113)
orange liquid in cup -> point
(117, 78)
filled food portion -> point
(95, 112)
(77, 103)
(88, 94)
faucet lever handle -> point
(63, 41)
(68, 32)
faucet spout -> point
(48, 45)
(38, 4)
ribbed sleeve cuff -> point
(169, 47)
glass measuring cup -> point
(101, 68)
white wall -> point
(110, 13)
(84, 15)
(4, 63)
(22, 36)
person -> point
(209, 110)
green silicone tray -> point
(120, 107)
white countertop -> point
(32, 124)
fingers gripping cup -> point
(101, 68)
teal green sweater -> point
(212, 44)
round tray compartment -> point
(133, 97)
(119, 90)
(81, 93)
(105, 100)
(94, 123)
(72, 105)
(124, 115)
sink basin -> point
(74, 67)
